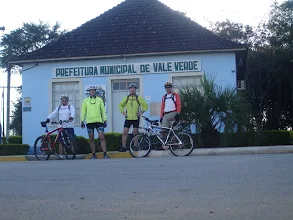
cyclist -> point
(64, 112)
(170, 107)
(94, 113)
(135, 106)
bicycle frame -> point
(152, 127)
(60, 129)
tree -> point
(269, 67)
(212, 108)
(16, 121)
(280, 25)
(28, 38)
(236, 32)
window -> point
(72, 89)
(186, 80)
(123, 84)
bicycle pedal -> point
(165, 147)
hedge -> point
(239, 139)
(263, 138)
(113, 141)
(12, 140)
(13, 149)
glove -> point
(161, 120)
(47, 120)
(177, 117)
(105, 124)
(82, 124)
(70, 119)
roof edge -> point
(124, 55)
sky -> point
(72, 14)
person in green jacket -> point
(94, 113)
(135, 106)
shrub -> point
(263, 138)
(13, 149)
(112, 140)
(212, 107)
(82, 145)
(3, 140)
(15, 140)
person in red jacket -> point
(170, 107)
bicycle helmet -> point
(64, 96)
(132, 85)
(91, 87)
(168, 84)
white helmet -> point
(132, 85)
(64, 96)
(91, 87)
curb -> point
(167, 153)
(12, 158)
(243, 150)
(111, 154)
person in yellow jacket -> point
(94, 113)
(135, 106)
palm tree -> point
(213, 108)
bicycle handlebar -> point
(44, 123)
(60, 122)
(150, 121)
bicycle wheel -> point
(183, 149)
(42, 148)
(140, 145)
(69, 146)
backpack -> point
(172, 97)
(60, 107)
(136, 100)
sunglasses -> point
(168, 87)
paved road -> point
(209, 187)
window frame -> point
(81, 97)
(184, 74)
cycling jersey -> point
(93, 110)
(170, 105)
(132, 104)
(64, 112)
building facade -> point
(141, 41)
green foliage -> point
(15, 139)
(16, 122)
(280, 25)
(82, 145)
(13, 149)
(213, 106)
(113, 141)
(236, 32)
(264, 138)
(28, 38)
(247, 139)
(269, 66)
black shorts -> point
(128, 123)
(92, 126)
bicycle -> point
(44, 146)
(180, 143)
